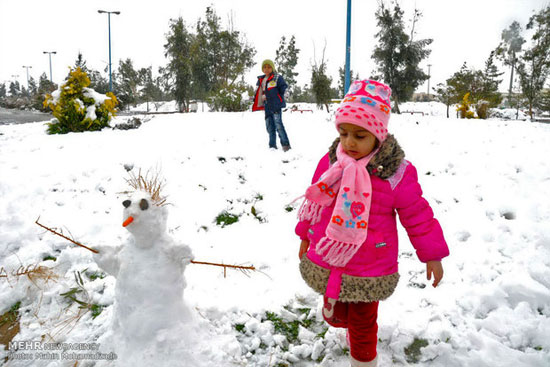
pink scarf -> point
(348, 182)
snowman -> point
(151, 323)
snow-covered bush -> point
(482, 109)
(77, 108)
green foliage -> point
(80, 296)
(72, 104)
(128, 82)
(209, 64)
(534, 67)
(508, 51)
(289, 329)
(321, 82)
(286, 59)
(11, 315)
(225, 219)
(412, 352)
(240, 328)
(397, 54)
(232, 98)
(49, 257)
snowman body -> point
(149, 310)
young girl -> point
(347, 221)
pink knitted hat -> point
(367, 104)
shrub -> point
(77, 108)
(482, 109)
(464, 107)
(232, 98)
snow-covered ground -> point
(487, 182)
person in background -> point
(349, 247)
(270, 97)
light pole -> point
(109, 21)
(429, 66)
(348, 39)
(50, 54)
(27, 67)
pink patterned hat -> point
(367, 104)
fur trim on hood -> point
(385, 163)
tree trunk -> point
(396, 106)
(448, 105)
(511, 79)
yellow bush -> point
(78, 108)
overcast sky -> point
(465, 30)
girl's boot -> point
(356, 363)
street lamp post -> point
(109, 21)
(50, 54)
(27, 67)
(348, 39)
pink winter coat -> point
(374, 266)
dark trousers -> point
(274, 125)
(360, 320)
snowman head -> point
(144, 213)
(143, 218)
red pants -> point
(360, 320)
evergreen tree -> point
(45, 87)
(150, 91)
(321, 82)
(490, 82)
(81, 63)
(98, 82)
(286, 59)
(398, 55)
(178, 72)
(509, 48)
(127, 83)
(445, 94)
(222, 59)
(534, 67)
(3, 91)
(15, 89)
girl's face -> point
(267, 69)
(356, 141)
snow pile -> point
(508, 114)
(230, 198)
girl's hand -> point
(303, 248)
(435, 268)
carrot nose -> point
(129, 220)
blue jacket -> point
(275, 92)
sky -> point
(462, 31)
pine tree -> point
(178, 72)
(490, 82)
(15, 89)
(445, 94)
(534, 67)
(3, 91)
(508, 50)
(128, 83)
(150, 91)
(81, 63)
(321, 82)
(286, 59)
(398, 55)
(98, 82)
